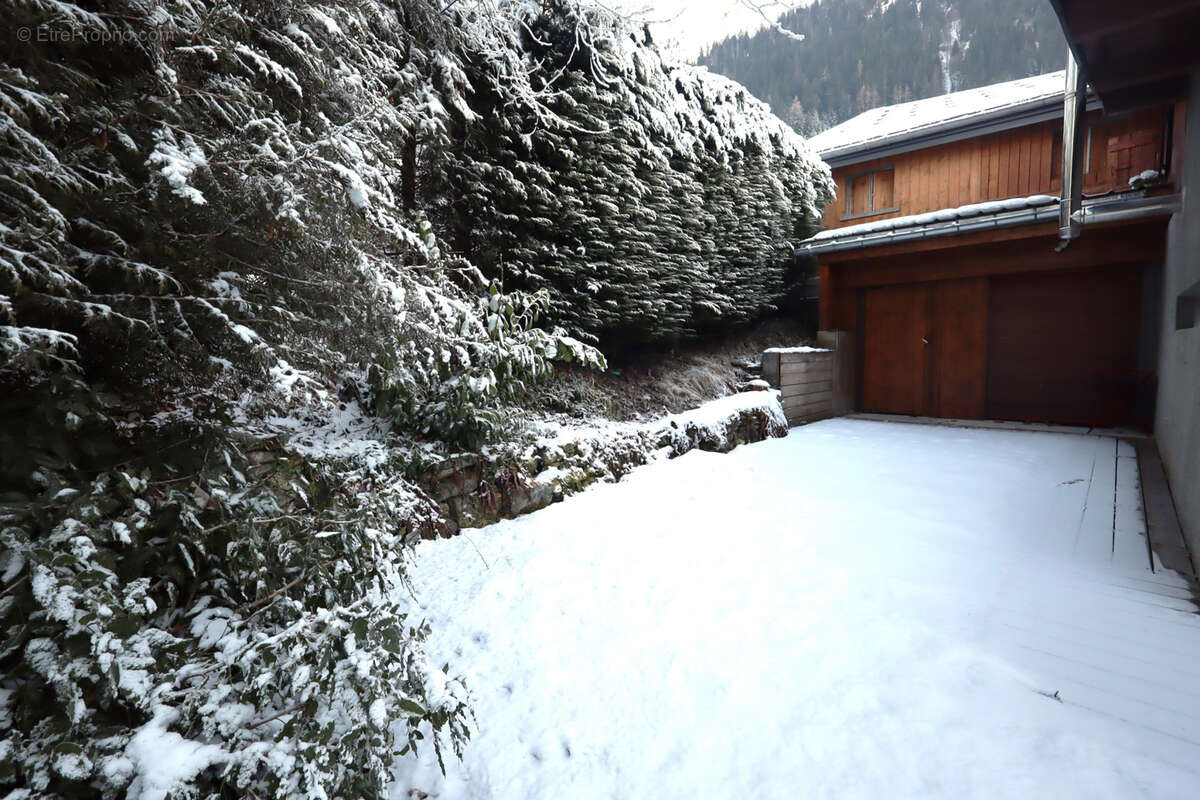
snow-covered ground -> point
(863, 609)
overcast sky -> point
(689, 25)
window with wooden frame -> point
(871, 192)
(1117, 149)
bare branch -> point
(770, 11)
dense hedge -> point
(663, 202)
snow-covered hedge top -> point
(702, 105)
(712, 418)
(715, 415)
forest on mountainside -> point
(263, 267)
(859, 54)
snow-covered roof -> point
(909, 121)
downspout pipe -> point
(1073, 141)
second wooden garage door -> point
(1064, 346)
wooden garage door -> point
(925, 349)
(1064, 346)
(893, 349)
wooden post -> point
(825, 297)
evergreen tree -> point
(663, 217)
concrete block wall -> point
(1177, 417)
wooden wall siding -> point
(806, 383)
(1133, 143)
(958, 348)
(1015, 163)
(976, 256)
(1057, 347)
(894, 363)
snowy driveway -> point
(862, 609)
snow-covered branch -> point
(770, 11)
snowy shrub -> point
(241, 623)
(217, 193)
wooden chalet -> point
(942, 255)
(1005, 252)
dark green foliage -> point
(248, 602)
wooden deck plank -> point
(803, 378)
(809, 408)
(1125, 700)
(816, 406)
(1131, 550)
(1163, 530)
(1094, 535)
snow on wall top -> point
(900, 121)
(800, 349)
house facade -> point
(941, 256)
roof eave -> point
(934, 230)
(1120, 208)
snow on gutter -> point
(949, 222)
(1123, 209)
(967, 219)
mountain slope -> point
(858, 54)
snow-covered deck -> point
(863, 609)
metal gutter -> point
(1123, 210)
(1108, 209)
(1042, 109)
(932, 231)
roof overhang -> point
(1134, 54)
(1041, 110)
(1102, 210)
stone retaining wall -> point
(472, 491)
